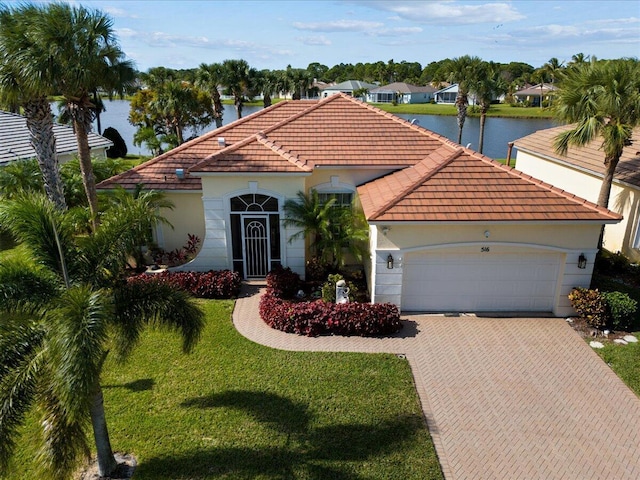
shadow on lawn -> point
(139, 385)
(308, 452)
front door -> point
(255, 243)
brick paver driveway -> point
(504, 398)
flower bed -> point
(313, 318)
(212, 284)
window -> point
(342, 199)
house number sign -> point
(485, 249)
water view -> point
(498, 131)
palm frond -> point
(65, 440)
(41, 227)
(159, 304)
(78, 337)
(24, 286)
(20, 362)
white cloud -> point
(338, 26)
(449, 12)
(321, 40)
(118, 13)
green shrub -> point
(621, 309)
(591, 305)
(329, 288)
(609, 263)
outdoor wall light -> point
(582, 261)
(487, 233)
(385, 230)
(390, 262)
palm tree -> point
(602, 98)
(61, 320)
(486, 87)
(331, 228)
(83, 54)
(238, 78)
(463, 71)
(209, 78)
(26, 80)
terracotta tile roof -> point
(590, 157)
(340, 130)
(160, 172)
(459, 185)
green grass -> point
(625, 361)
(237, 410)
(498, 110)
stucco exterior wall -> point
(216, 251)
(186, 217)
(568, 240)
(624, 199)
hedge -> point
(322, 318)
(615, 310)
(212, 284)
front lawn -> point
(497, 110)
(237, 410)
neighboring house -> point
(15, 143)
(533, 93)
(449, 94)
(347, 87)
(400, 92)
(581, 172)
(450, 229)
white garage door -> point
(466, 281)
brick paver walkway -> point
(504, 398)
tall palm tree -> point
(463, 71)
(209, 78)
(486, 87)
(83, 54)
(238, 78)
(602, 98)
(26, 80)
(60, 322)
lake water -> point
(498, 131)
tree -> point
(486, 87)
(463, 71)
(119, 148)
(330, 228)
(26, 80)
(602, 99)
(60, 321)
(238, 76)
(209, 78)
(79, 47)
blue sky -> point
(274, 34)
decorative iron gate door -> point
(255, 241)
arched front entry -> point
(255, 234)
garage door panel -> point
(454, 281)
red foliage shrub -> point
(212, 284)
(283, 282)
(322, 318)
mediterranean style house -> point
(581, 171)
(450, 229)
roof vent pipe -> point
(221, 142)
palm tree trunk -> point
(605, 188)
(40, 124)
(461, 105)
(238, 103)
(218, 108)
(106, 461)
(483, 119)
(81, 123)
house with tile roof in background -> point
(15, 143)
(534, 94)
(450, 230)
(400, 92)
(581, 171)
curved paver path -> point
(504, 398)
